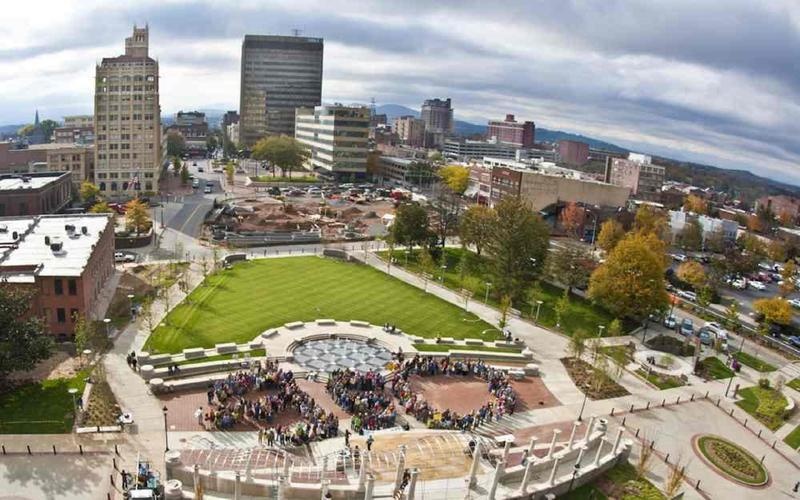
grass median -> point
(237, 304)
(754, 362)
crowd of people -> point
(364, 395)
(498, 382)
(231, 401)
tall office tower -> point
(279, 74)
(438, 117)
(127, 120)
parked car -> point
(794, 341)
(685, 294)
(757, 285)
(678, 257)
(124, 257)
(739, 284)
(687, 327)
(706, 338)
(670, 321)
(717, 330)
(200, 169)
(208, 189)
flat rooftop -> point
(29, 248)
(28, 181)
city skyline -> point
(705, 81)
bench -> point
(322, 322)
(255, 344)
(194, 352)
(474, 342)
(532, 369)
(269, 333)
(516, 374)
(445, 340)
(362, 324)
(226, 348)
(294, 325)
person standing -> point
(370, 440)
(347, 438)
(198, 415)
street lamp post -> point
(444, 268)
(130, 304)
(72, 392)
(107, 322)
(575, 469)
(600, 329)
(730, 381)
(407, 252)
(166, 429)
(583, 405)
(538, 307)
(486, 298)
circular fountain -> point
(327, 355)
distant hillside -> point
(545, 135)
(740, 184)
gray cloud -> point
(711, 80)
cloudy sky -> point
(710, 80)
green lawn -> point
(766, 405)
(716, 369)
(793, 439)
(581, 314)
(794, 384)
(236, 305)
(451, 347)
(41, 408)
(660, 381)
(754, 362)
(256, 353)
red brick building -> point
(14, 160)
(66, 259)
(34, 194)
(510, 131)
(573, 153)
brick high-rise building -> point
(438, 117)
(638, 174)
(127, 120)
(279, 74)
(573, 153)
(510, 131)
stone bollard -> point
(237, 486)
(506, 448)
(617, 441)
(281, 495)
(476, 459)
(401, 466)
(147, 371)
(527, 477)
(532, 446)
(556, 432)
(600, 443)
(498, 473)
(575, 426)
(553, 471)
(196, 486)
(412, 484)
(369, 487)
(324, 489)
(589, 429)
(173, 490)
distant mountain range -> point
(467, 129)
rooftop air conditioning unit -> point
(47, 240)
(84, 230)
(69, 228)
(3, 228)
(58, 248)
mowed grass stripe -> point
(236, 305)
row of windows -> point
(148, 186)
(116, 175)
(72, 285)
(126, 78)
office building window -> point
(72, 285)
(59, 287)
